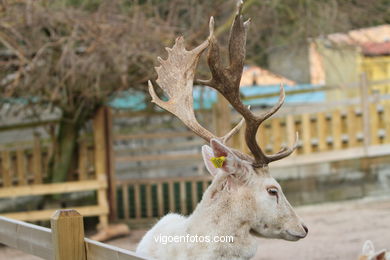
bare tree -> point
(74, 60)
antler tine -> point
(175, 77)
(276, 107)
(286, 151)
(250, 136)
(232, 132)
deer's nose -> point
(305, 228)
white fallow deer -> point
(243, 200)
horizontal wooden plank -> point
(31, 239)
(117, 113)
(52, 188)
(164, 179)
(340, 155)
(99, 251)
(46, 214)
(165, 147)
(162, 164)
(158, 157)
(118, 137)
(25, 125)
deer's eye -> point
(272, 191)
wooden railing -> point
(27, 164)
(24, 172)
(336, 130)
(150, 198)
(64, 241)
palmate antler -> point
(176, 76)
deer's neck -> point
(220, 213)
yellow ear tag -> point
(218, 161)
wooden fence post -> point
(68, 235)
(221, 116)
(110, 164)
(365, 105)
(100, 150)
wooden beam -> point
(37, 160)
(110, 163)
(160, 199)
(6, 168)
(46, 214)
(29, 238)
(183, 198)
(277, 134)
(158, 157)
(171, 195)
(68, 235)
(221, 116)
(125, 201)
(336, 129)
(351, 127)
(332, 156)
(374, 122)
(153, 135)
(21, 167)
(165, 179)
(291, 132)
(194, 194)
(137, 198)
(101, 162)
(27, 125)
(364, 95)
(51, 188)
(306, 135)
(149, 204)
(99, 251)
(387, 121)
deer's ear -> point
(220, 149)
(208, 154)
(232, 162)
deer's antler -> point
(175, 77)
(226, 80)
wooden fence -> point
(23, 172)
(359, 128)
(337, 131)
(150, 198)
(64, 241)
(323, 131)
(145, 144)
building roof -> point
(376, 34)
(256, 76)
(376, 49)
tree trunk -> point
(64, 158)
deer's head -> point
(257, 196)
(270, 213)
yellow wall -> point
(377, 68)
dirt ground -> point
(336, 231)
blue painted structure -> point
(205, 97)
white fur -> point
(237, 204)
